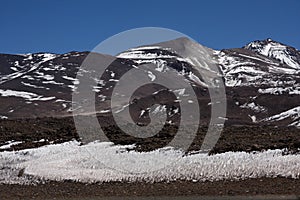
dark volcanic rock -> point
(261, 79)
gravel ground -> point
(69, 190)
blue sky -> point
(62, 26)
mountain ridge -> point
(37, 85)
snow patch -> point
(103, 162)
(293, 113)
(253, 106)
(151, 76)
(26, 95)
(10, 144)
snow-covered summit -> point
(276, 50)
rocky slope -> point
(262, 82)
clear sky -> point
(60, 26)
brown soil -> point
(249, 187)
(233, 138)
(30, 131)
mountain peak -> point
(261, 43)
(269, 39)
(276, 50)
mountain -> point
(262, 82)
(37, 84)
(268, 72)
(281, 52)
